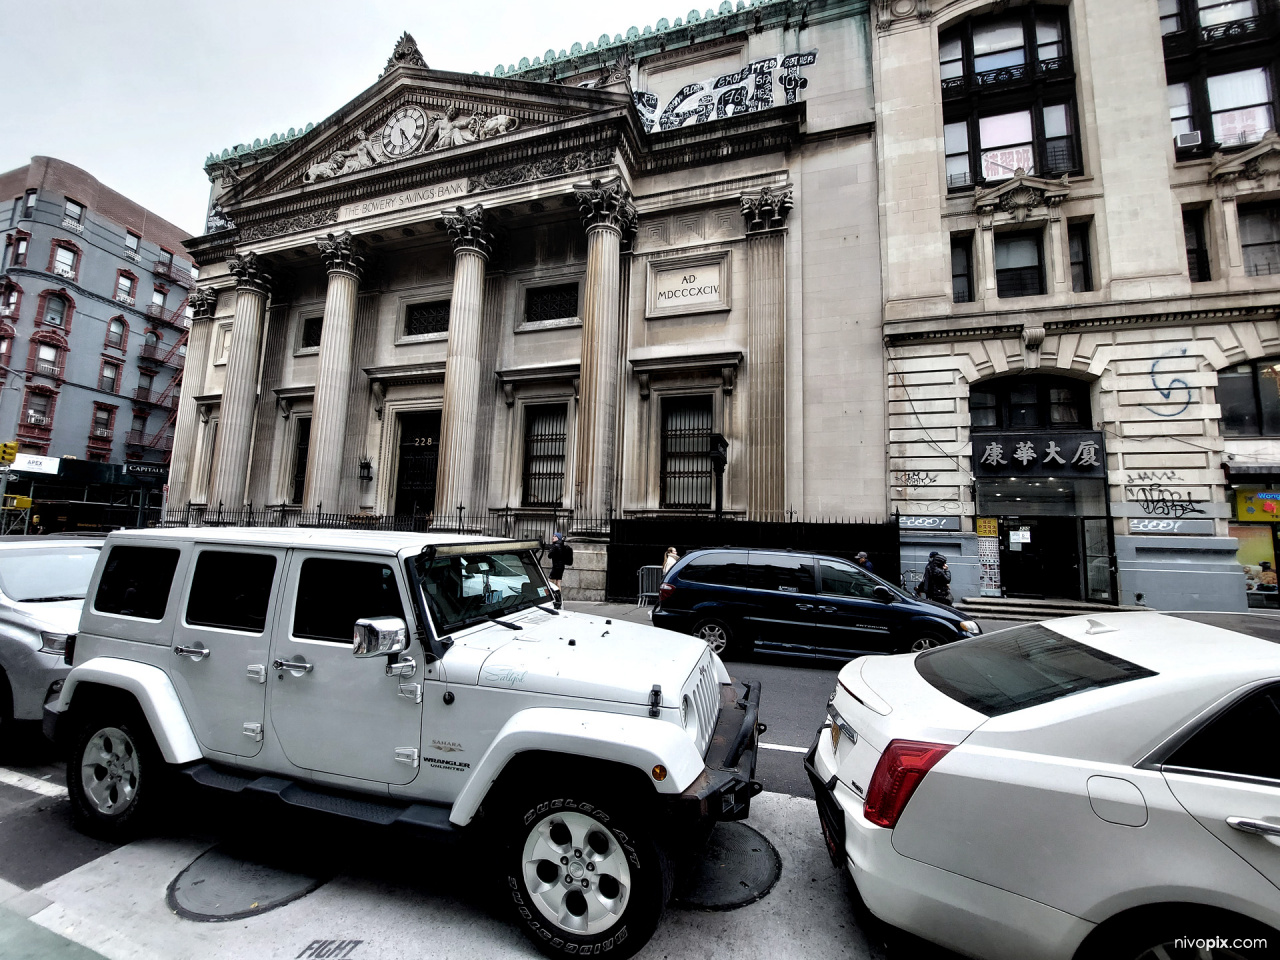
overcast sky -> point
(139, 93)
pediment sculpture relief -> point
(1021, 195)
(411, 130)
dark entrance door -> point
(419, 454)
(1048, 557)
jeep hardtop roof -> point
(365, 541)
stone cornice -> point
(432, 372)
(1073, 319)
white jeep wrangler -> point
(412, 679)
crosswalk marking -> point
(23, 782)
(783, 746)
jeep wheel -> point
(114, 775)
(717, 635)
(583, 880)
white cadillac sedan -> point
(1104, 786)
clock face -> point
(403, 132)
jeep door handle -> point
(300, 665)
(804, 606)
(826, 609)
(1263, 828)
(195, 653)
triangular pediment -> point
(415, 114)
(1259, 162)
(1021, 194)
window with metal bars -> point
(551, 303)
(686, 479)
(311, 327)
(545, 438)
(301, 447)
(429, 317)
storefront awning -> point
(1246, 473)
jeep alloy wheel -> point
(115, 775)
(583, 879)
(577, 873)
(109, 771)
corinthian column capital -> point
(766, 210)
(203, 301)
(342, 253)
(471, 230)
(249, 272)
(606, 205)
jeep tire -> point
(585, 878)
(115, 775)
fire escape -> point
(167, 399)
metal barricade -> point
(650, 579)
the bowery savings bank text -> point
(419, 196)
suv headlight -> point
(53, 642)
(970, 627)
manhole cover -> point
(219, 886)
(739, 867)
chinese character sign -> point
(1039, 455)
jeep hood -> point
(584, 656)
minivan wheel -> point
(716, 634)
(114, 776)
(585, 879)
(925, 641)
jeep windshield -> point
(47, 574)
(470, 589)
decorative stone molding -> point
(471, 230)
(1260, 163)
(766, 210)
(249, 272)
(339, 163)
(1033, 337)
(576, 162)
(342, 253)
(1021, 195)
(203, 301)
(405, 54)
(306, 221)
(892, 12)
(606, 204)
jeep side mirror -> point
(378, 636)
(882, 593)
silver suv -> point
(421, 680)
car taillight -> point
(901, 768)
(666, 590)
(69, 652)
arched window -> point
(1032, 402)
(116, 329)
(1249, 395)
(151, 339)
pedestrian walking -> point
(936, 582)
(561, 555)
(862, 561)
(669, 560)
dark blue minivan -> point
(778, 601)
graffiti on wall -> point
(744, 91)
(1174, 389)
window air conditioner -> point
(1191, 139)
(101, 432)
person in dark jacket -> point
(936, 582)
(862, 560)
(558, 555)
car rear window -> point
(1019, 668)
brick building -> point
(93, 318)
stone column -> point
(765, 435)
(203, 302)
(345, 261)
(609, 216)
(472, 244)
(239, 394)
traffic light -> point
(8, 451)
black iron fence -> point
(634, 543)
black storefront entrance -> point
(419, 456)
(1040, 488)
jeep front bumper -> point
(725, 787)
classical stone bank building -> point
(541, 294)
(1009, 269)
